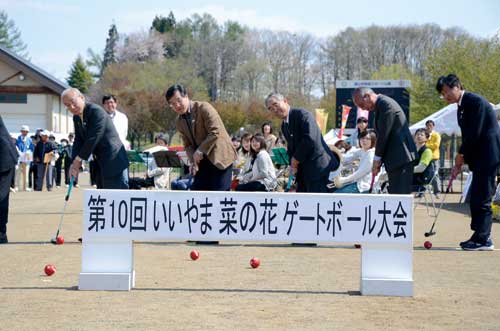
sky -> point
(57, 31)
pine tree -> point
(10, 36)
(164, 24)
(79, 75)
(110, 48)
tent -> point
(445, 120)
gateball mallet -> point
(431, 232)
(371, 184)
(54, 240)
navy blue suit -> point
(8, 160)
(481, 150)
(306, 144)
(97, 136)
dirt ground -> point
(295, 288)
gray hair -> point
(274, 95)
(71, 90)
(362, 91)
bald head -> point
(74, 100)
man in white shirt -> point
(119, 119)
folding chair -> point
(426, 193)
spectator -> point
(361, 126)
(423, 171)
(434, 143)
(45, 150)
(236, 143)
(161, 176)
(25, 148)
(120, 120)
(267, 131)
(56, 163)
(244, 152)
(32, 171)
(262, 175)
(360, 180)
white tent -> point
(445, 120)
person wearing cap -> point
(25, 147)
(45, 150)
(96, 135)
(8, 160)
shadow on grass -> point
(195, 290)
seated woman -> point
(269, 137)
(424, 169)
(244, 151)
(155, 176)
(359, 181)
(259, 174)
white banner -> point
(290, 217)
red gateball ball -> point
(50, 269)
(60, 240)
(195, 255)
(428, 244)
(254, 262)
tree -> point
(164, 24)
(141, 47)
(79, 76)
(110, 48)
(94, 61)
(10, 36)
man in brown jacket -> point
(207, 143)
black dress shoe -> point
(206, 242)
(304, 244)
(3, 238)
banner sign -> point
(247, 216)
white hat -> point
(25, 128)
(45, 133)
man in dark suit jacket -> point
(8, 160)
(310, 157)
(480, 149)
(96, 135)
(395, 147)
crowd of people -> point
(215, 161)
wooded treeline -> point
(235, 67)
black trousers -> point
(401, 179)
(305, 184)
(482, 189)
(211, 178)
(251, 187)
(5, 180)
(57, 169)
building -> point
(30, 96)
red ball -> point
(428, 244)
(195, 255)
(254, 262)
(60, 240)
(50, 269)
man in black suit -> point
(96, 135)
(310, 157)
(395, 147)
(8, 160)
(480, 149)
